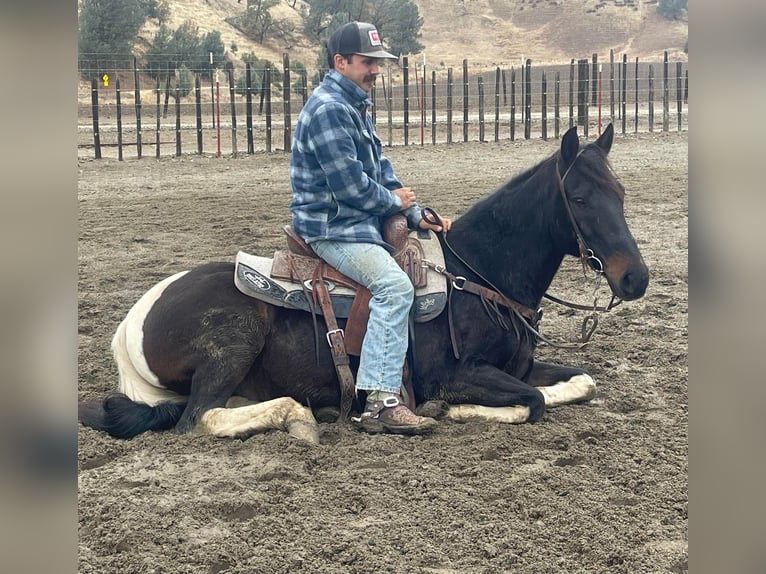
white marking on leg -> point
(283, 413)
(512, 415)
(137, 380)
(577, 389)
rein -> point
(530, 316)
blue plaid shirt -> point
(342, 184)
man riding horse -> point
(343, 189)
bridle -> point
(494, 297)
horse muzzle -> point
(628, 278)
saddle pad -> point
(252, 276)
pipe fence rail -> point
(221, 115)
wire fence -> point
(129, 113)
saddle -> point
(297, 278)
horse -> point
(196, 355)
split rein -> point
(493, 297)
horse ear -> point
(570, 144)
(605, 139)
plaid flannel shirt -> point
(342, 184)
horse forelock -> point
(596, 167)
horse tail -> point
(122, 417)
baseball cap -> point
(358, 38)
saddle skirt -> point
(265, 279)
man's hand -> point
(446, 223)
(407, 196)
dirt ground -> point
(597, 487)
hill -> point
(486, 32)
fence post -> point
(178, 121)
(138, 107)
(167, 92)
(157, 134)
(651, 98)
(544, 110)
(528, 99)
(513, 104)
(249, 107)
(665, 94)
(624, 97)
(497, 103)
(406, 100)
(571, 92)
(266, 93)
(286, 89)
(94, 111)
(198, 111)
(433, 107)
(635, 129)
(582, 92)
(611, 86)
(232, 99)
(557, 111)
(481, 108)
(679, 93)
(450, 87)
(594, 79)
(119, 119)
(465, 100)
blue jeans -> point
(385, 343)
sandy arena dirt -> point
(596, 487)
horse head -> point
(594, 198)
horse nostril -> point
(634, 284)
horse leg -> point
(480, 390)
(561, 385)
(242, 417)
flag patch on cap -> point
(374, 38)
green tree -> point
(398, 21)
(107, 30)
(672, 9)
(185, 46)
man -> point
(343, 189)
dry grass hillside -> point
(487, 32)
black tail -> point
(123, 418)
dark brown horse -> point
(196, 354)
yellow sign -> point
(105, 77)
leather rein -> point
(493, 297)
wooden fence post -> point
(232, 99)
(624, 96)
(481, 108)
(513, 104)
(406, 98)
(665, 94)
(611, 86)
(544, 114)
(465, 100)
(157, 134)
(266, 93)
(651, 98)
(198, 111)
(138, 107)
(635, 129)
(433, 107)
(286, 89)
(249, 107)
(582, 92)
(450, 87)
(178, 121)
(557, 112)
(571, 91)
(497, 103)
(594, 79)
(94, 113)
(167, 92)
(119, 119)
(679, 94)
(528, 99)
